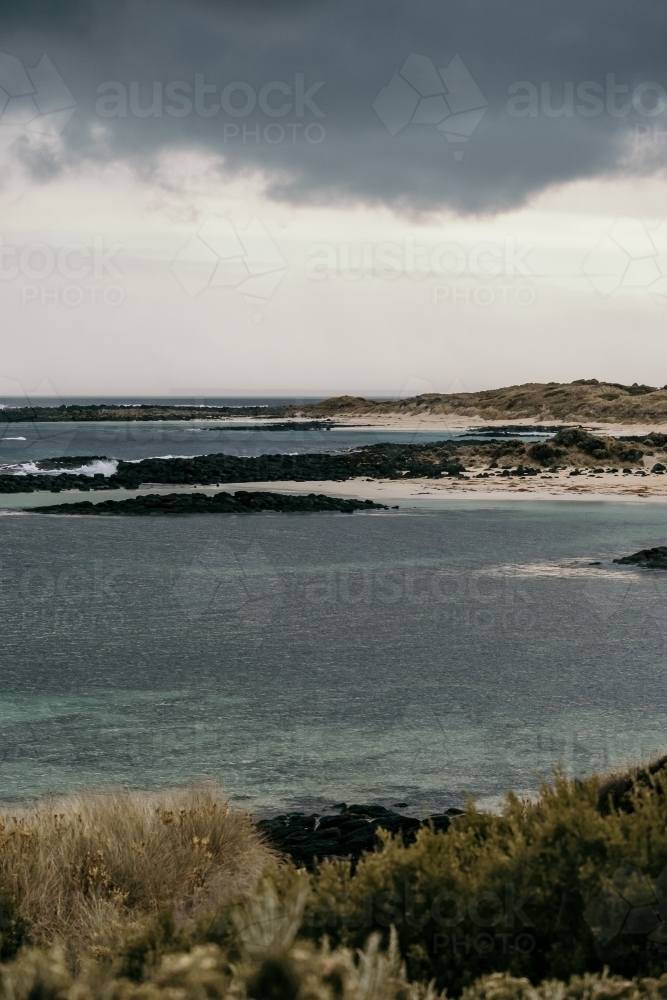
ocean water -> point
(300, 660)
(23, 443)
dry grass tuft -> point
(86, 867)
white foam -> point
(106, 467)
(573, 569)
(25, 469)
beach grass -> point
(86, 867)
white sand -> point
(449, 422)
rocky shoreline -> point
(347, 833)
(375, 462)
(241, 502)
(571, 448)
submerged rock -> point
(655, 558)
(241, 502)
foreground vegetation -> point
(83, 870)
(177, 897)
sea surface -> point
(301, 660)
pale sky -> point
(142, 256)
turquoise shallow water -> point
(303, 659)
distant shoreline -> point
(571, 463)
(585, 401)
(608, 405)
(407, 422)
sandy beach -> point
(446, 423)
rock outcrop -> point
(348, 833)
(386, 461)
(241, 502)
(655, 558)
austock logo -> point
(34, 99)
(74, 274)
(484, 923)
(242, 583)
(630, 903)
(420, 94)
(629, 258)
(607, 592)
(221, 256)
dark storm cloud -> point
(316, 134)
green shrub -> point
(589, 987)
(536, 891)
(270, 965)
(144, 950)
(296, 973)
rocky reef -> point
(347, 833)
(241, 502)
(375, 461)
(655, 558)
(570, 447)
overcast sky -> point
(306, 198)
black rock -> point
(655, 558)
(241, 502)
(371, 812)
(381, 461)
(348, 834)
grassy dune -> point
(176, 898)
(583, 400)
